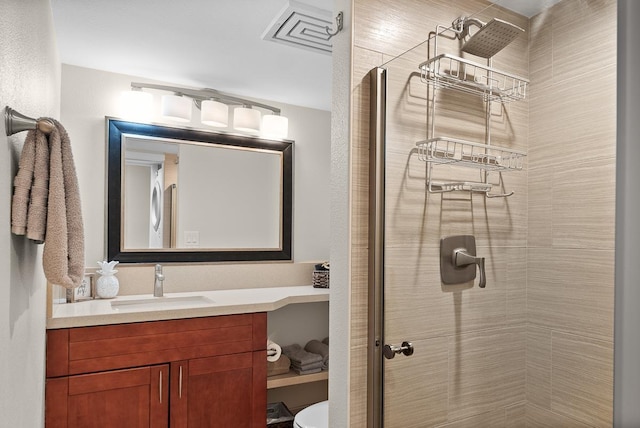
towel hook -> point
(339, 25)
(15, 122)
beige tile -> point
(582, 379)
(359, 299)
(411, 21)
(571, 291)
(539, 367)
(482, 308)
(416, 387)
(516, 416)
(540, 207)
(360, 197)
(415, 305)
(584, 38)
(358, 386)
(573, 122)
(363, 62)
(541, 418)
(494, 419)
(540, 50)
(412, 215)
(486, 371)
(516, 285)
(584, 205)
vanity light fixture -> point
(214, 110)
(246, 119)
(136, 104)
(214, 113)
(274, 125)
(176, 107)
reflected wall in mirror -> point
(184, 195)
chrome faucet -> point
(157, 285)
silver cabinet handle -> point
(390, 351)
(160, 388)
(462, 258)
(180, 382)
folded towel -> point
(273, 351)
(322, 349)
(299, 357)
(304, 372)
(325, 340)
(310, 366)
(280, 366)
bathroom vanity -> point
(133, 362)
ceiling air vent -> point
(302, 26)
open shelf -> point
(293, 378)
(445, 150)
(449, 71)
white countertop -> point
(139, 308)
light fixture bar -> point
(200, 95)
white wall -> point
(137, 201)
(339, 309)
(29, 83)
(90, 95)
(230, 197)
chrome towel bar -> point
(15, 122)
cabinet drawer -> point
(91, 349)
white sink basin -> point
(161, 303)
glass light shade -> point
(275, 126)
(175, 107)
(246, 119)
(136, 105)
(214, 113)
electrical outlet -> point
(192, 239)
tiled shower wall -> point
(571, 168)
(522, 351)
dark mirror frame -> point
(116, 128)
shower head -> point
(490, 39)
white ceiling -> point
(204, 44)
(527, 8)
(197, 43)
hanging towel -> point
(52, 215)
(31, 189)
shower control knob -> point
(390, 351)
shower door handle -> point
(390, 351)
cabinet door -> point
(223, 391)
(122, 398)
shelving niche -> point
(450, 72)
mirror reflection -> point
(177, 193)
(188, 195)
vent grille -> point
(301, 26)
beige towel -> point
(60, 226)
(31, 188)
(280, 366)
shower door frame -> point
(375, 366)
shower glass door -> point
(453, 354)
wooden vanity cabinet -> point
(191, 373)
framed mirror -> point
(186, 195)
